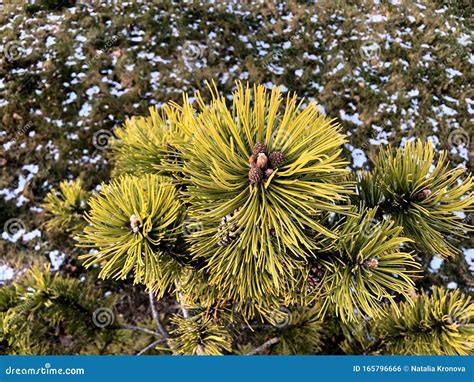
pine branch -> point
(154, 313)
(180, 301)
(141, 329)
(183, 309)
(153, 344)
(264, 346)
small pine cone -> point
(252, 160)
(315, 276)
(255, 175)
(262, 161)
(134, 224)
(371, 263)
(258, 148)
(276, 159)
(200, 350)
(268, 172)
(423, 195)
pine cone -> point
(268, 172)
(255, 175)
(315, 276)
(371, 263)
(134, 224)
(252, 160)
(200, 350)
(262, 161)
(423, 195)
(276, 159)
(258, 148)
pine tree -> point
(246, 215)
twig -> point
(180, 300)
(264, 346)
(139, 328)
(154, 313)
(153, 344)
(184, 310)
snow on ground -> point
(347, 72)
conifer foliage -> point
(134, 224)
(246, 209)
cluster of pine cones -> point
(261, 165)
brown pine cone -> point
(252, 160)
(255, 175)
(268, 172)
(423, 195)
(276, 159)
(262, 160)
(258, 148)
(371, 263)
(315, 276)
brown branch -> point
(153, 344)
(154, 313)
(264, 346)
(141, 329)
